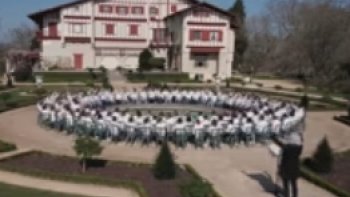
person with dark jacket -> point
(291, 150)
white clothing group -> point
(247, 117)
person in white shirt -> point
(248, 131)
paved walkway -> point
(241, 171)
(63, 187)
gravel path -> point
(243, 171)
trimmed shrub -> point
(164, 167)
(23, 73)
(92, 73)
(278, 87)
(156, 63)
(144, 59)
(196, 188)
(90, 84)
(40, 92)
(323, 158)
(304, 102)
(7, 147)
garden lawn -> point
(15, 191)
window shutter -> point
(110, 29)
(134, 30)
(205, 35)
(192, 35)
(173, 8)
(220, 35)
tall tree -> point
(241, 42)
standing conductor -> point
(289, 164)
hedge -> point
(315, 179)
(7, 147)
(56, 77)
(159, 77)
(198, 187)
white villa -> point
(193, 37)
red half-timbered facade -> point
(112, 33)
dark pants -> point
(288, 185)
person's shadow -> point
(266, 182)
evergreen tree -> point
(144, 59)
(323, 157)
(165, 167)
(241, 42)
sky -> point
(15, 12)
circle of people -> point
(246, 118)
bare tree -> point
(306, 38)
(21, 37)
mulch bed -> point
(109, 170)
(340, 175)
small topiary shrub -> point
(278, 87)
(92, 74)
(164, 167)
(322, 160)
(144, 59)
(304, 102)
(7, 147)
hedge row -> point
(7, 147)
(56, 77)
(197, 187)
(315, 179)
(159, 77)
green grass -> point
(68, 77)
(15, 191)
(159, 78)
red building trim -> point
(121, 40)
(50, 37)
(77, 39)
(77, 17)
(140, 20)
(207, 24)
(205, 49)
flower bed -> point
(137, 177)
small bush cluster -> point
(7, 147)
(147, 62)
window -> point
(173, 8)
(109, 29)
(200, 60)
(137, 10)
(53, 29)
(195, 35)
(106, 9)
(122, 10)
(159, 35)
(214, 36)
(134, 30)
(77, 28)
(153, 11)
